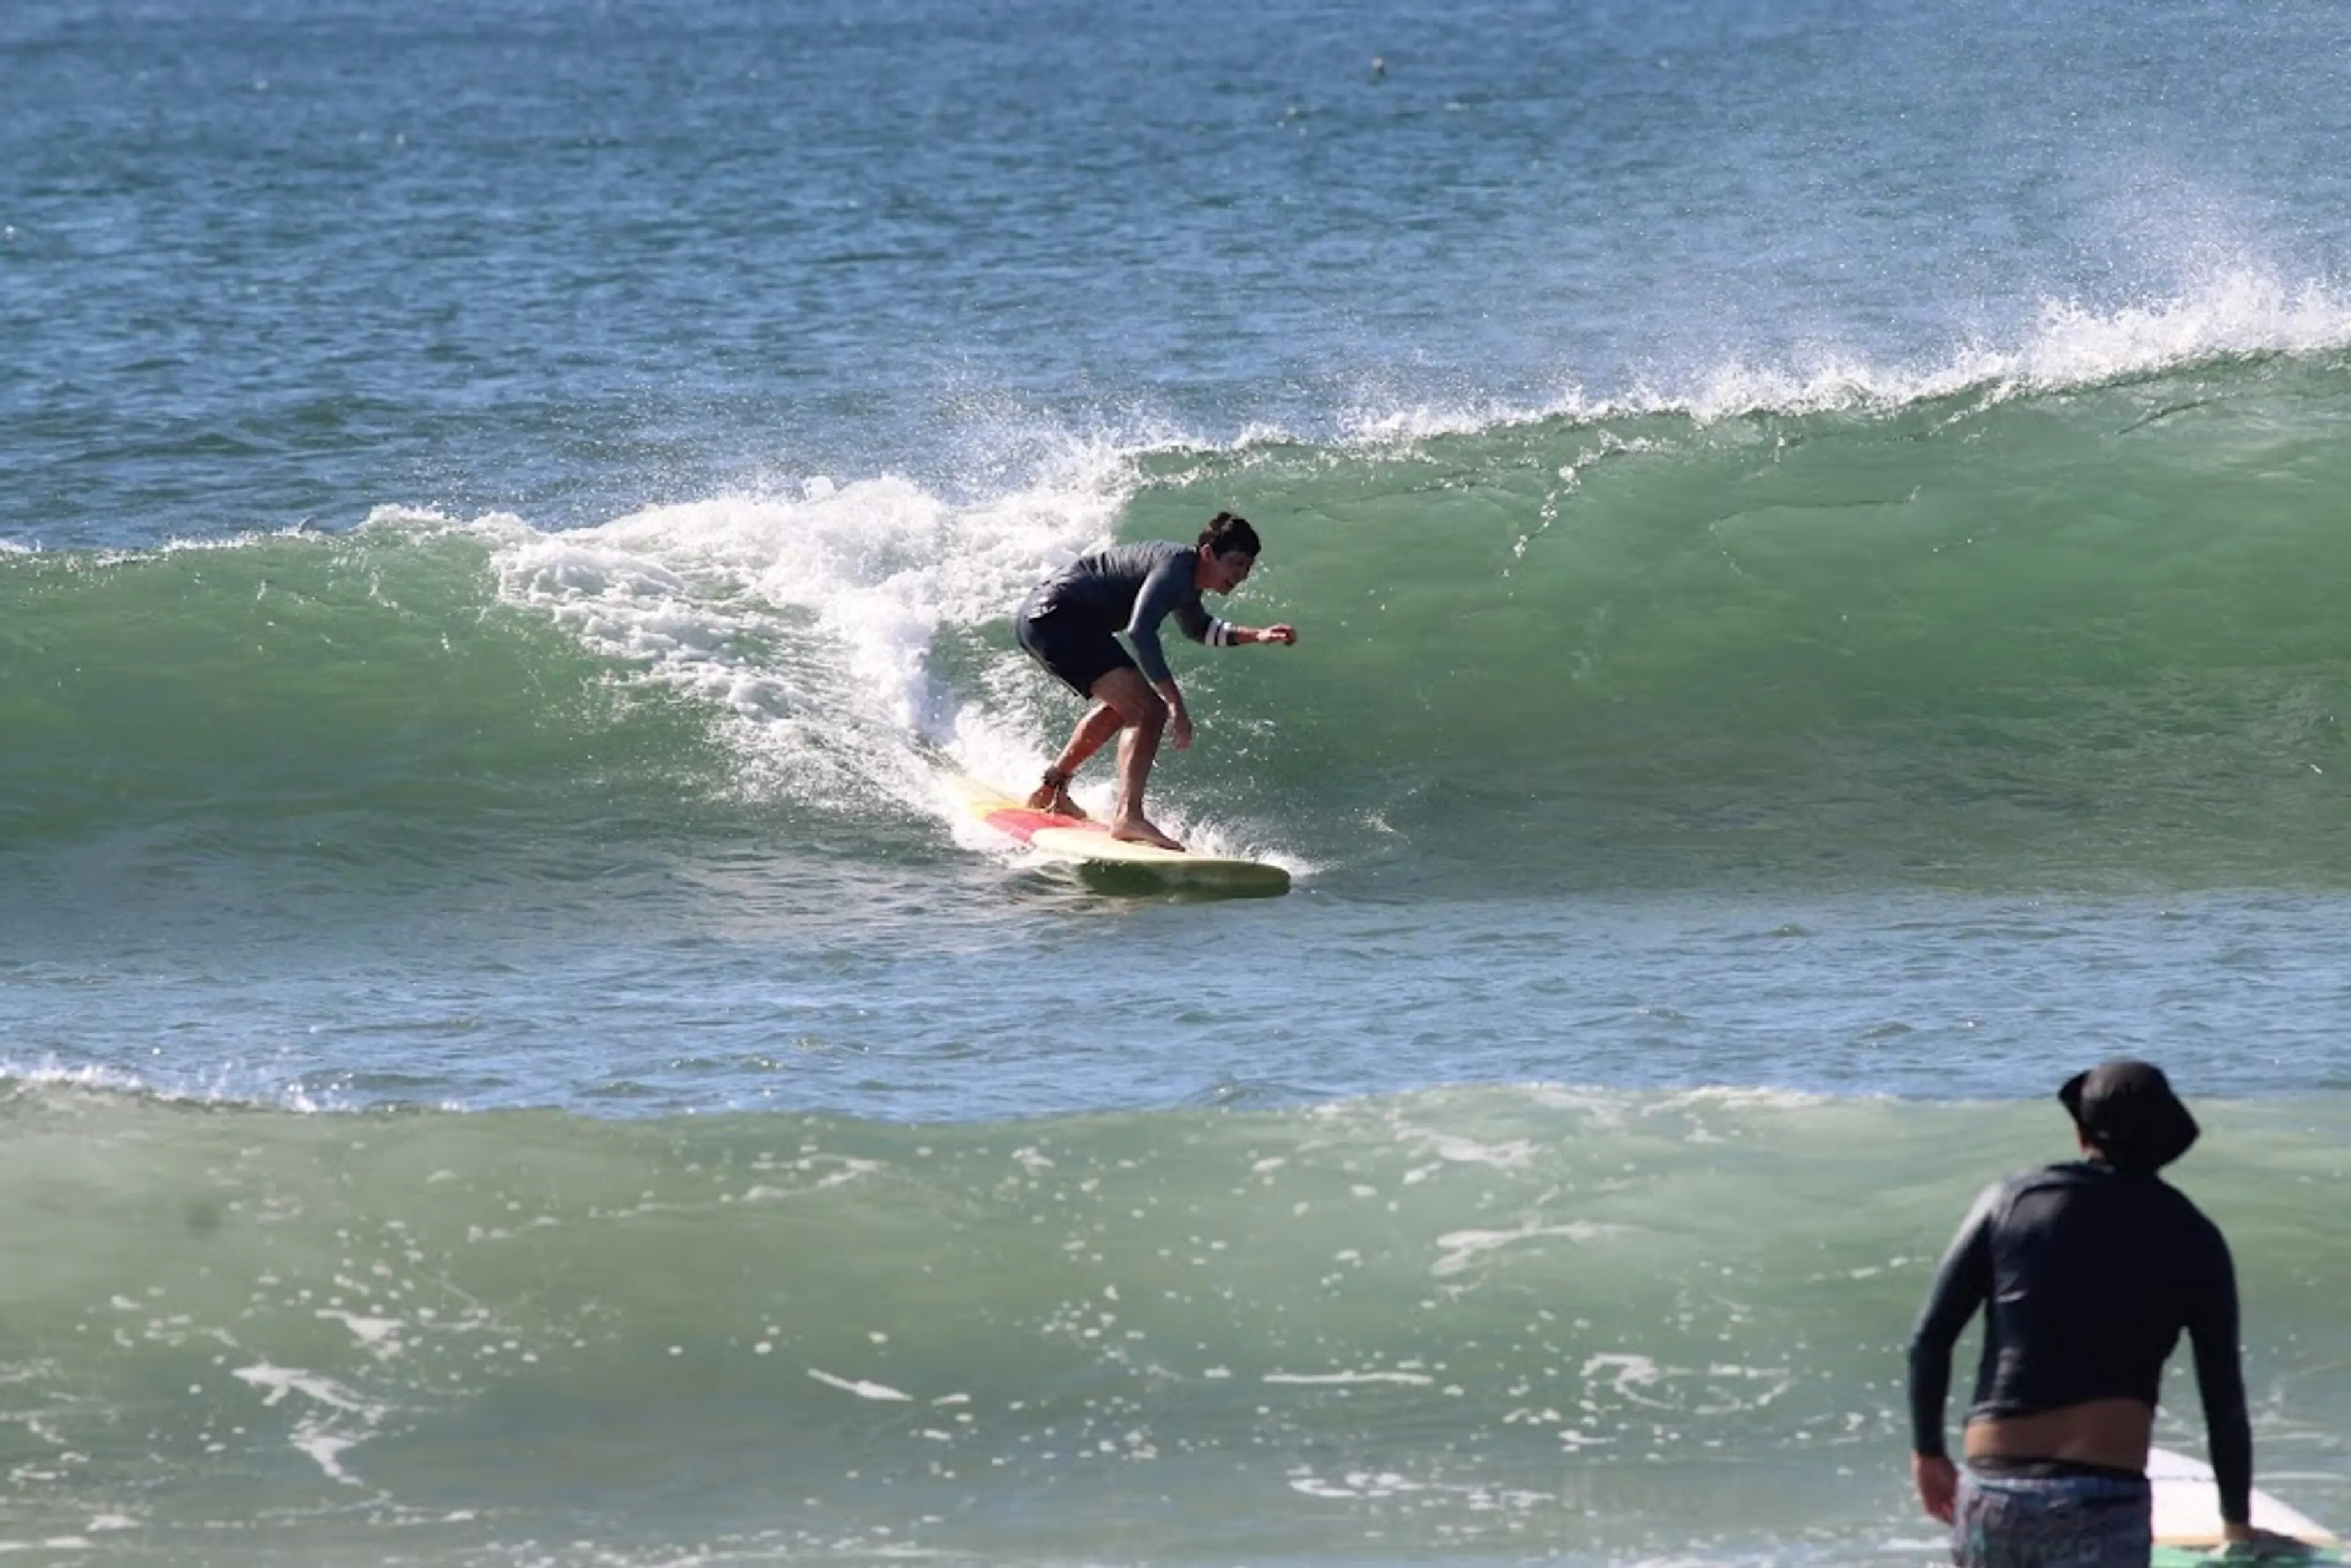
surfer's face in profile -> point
(1223, 573)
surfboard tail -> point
(2188, 1522)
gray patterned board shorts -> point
(2053, 1521)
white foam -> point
(808, 616)
(224, 1090)
(2240, 311)
(380, 1336)
(862, 1389)
(2235, 307)
(1355, 1485)
(324, 1434)
(50, 1072)
(1617, 1104)
(1463, 1247)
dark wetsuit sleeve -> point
(1962, 1283)
(2221, 1383)
(1168, 588)
(1195, 621)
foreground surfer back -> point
(2086, 1271)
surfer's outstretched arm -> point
(1283, 634)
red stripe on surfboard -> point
(1020, 821)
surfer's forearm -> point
(1243, 635)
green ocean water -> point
(1461, 1325)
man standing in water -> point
(2086, 1271)
(1070, 623)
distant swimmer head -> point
(2126, 1111)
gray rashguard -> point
(1131, 589)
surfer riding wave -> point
(1071, 623)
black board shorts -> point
(1077, 650)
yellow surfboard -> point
(1089, 844)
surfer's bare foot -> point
(1057, 803)
(1135, 830)
(1053, 795)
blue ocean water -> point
(1815, 532)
